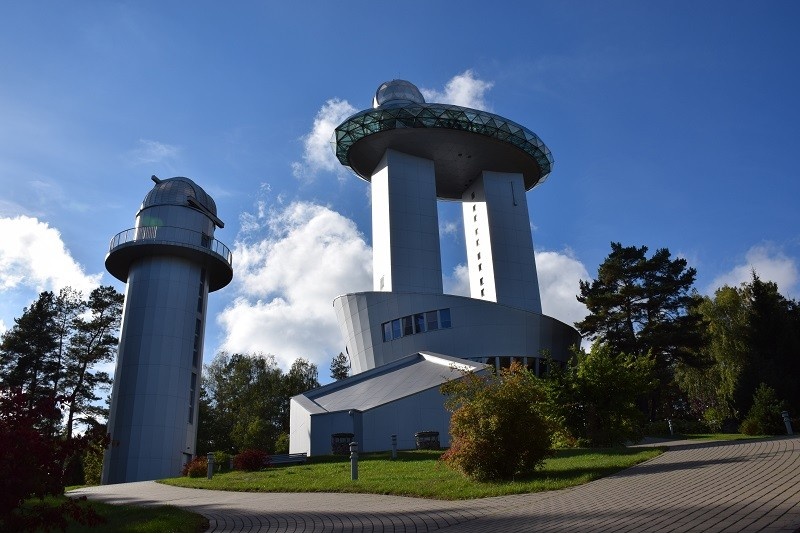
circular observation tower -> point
(462, 141)
(163, 230)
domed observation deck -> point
(177, 218)
(463, 142)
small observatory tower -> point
(170, 262)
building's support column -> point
(502, 267)
(405, 225)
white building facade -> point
(413, 154)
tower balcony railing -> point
(172, 235)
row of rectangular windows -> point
(416, 324)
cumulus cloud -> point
(769, 263)
(457, 283)
(287, 280)
(318, 155)
(33, 256)
(559, 274)
(464, 89)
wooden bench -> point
(294, 458)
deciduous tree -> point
(595, 395)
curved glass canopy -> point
(441, 116)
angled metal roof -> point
(399, 379)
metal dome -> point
(176, 192)
(397, 91)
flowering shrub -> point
(251, 460)
(196, 468)
(499, 428)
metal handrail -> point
(171, 234)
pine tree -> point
(639, 306)
(340, 367)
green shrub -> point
(196, 468)
(282, 443)
(499, 429)
(714, 419)
(764, 416)
(222, 461)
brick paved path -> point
(695, 487)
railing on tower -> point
(171, 235)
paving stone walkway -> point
(734, 486)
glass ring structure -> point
(443, 117)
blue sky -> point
(672, 124)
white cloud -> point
(287, 281)
(449, 228)
(32, 255)
(318, 154)
(462, 90)
(3, 327)
(559, 274)
(769, 263)
(153, 152)
(458, 282)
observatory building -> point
(170, 262)
(413, 154)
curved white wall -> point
(479, 329)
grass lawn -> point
(421, 474)
(124, 518)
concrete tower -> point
(170, 261)
(414, 153)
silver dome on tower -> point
(397, 92)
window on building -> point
(483, 293)
(481, 280)
(431, 320)
(476, 231)
(444, 318)
(474, 207)
(480, 266)
(419, 323)
(408, 325)
(475, 218)
(479, 255)
(477, 242)
(192, 390)
(396, 332)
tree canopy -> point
(639, 306)
(244, 401)
(56, 346)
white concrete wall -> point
(405, 225)
(479, 329)
(502, 265)
(311, 432)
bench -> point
(294, 458)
